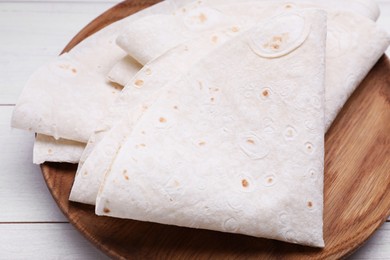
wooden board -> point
(357, 186)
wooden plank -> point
(34, 33)
(23, 192)
(45, 241)
(377, 247)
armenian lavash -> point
(112, 139)
(75, 82)
(223, 149)
(343, 74)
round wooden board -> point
(357, 186)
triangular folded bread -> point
(341, 80)
(97, 54)
(227, 146)
(64, 99)
(367, 8)
(131, 103)
(147, 38)
(344, 37)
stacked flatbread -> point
(207, 114)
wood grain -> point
(357, 186)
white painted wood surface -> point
(33, 32)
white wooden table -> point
(31, 226)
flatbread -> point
(64, 99)
(351, 53)
(225, 148)
(367, 8)
(149, 37)
(342, 76)
(344, 38)
(132, 102)
(124, 70)
(48, 149)
(171, 30)
(98, 54)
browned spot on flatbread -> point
(244, 183)
(265, 93)
(162, 120)
(74, 71)
(116, 86)
(139, 82)
(175, 107)
(250, 141)
(202, 143)
(202, 17)
(270, 180)
(275, 46)
(214, 39)
(235, 29)
(125, 175)
(277, 38)
(50, 151)
(106, 210)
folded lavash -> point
(340, 82)
(124, 70)
(366, 8)
(223, 149)
(126, 78)
(149, 37)
(63, 99)
(96, 55)
(132, 102)
(48, 149)
(356, 43)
